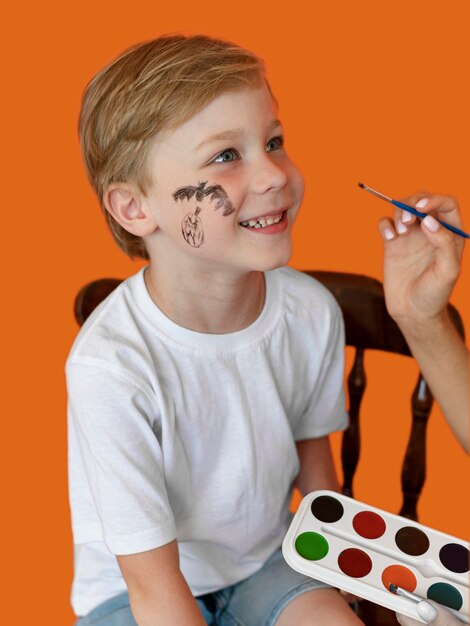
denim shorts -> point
(255, 601)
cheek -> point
(232, 181)
(296, 182)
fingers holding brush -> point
(403, 220)
(433, 206)
(445, 246)
(437, 211)
(421, 257)
(444, 208)
(408, 218)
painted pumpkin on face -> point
(192, 230)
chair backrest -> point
(368, 327)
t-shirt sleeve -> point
(325, 412)
(117, 486)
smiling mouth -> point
(263, 222)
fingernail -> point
(406, 217)
(389, 234)
(422, 203)
(426, 611)
(401, 228)
(431, 223)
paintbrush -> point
(413, 211)
(414, 596)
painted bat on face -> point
(215, 192)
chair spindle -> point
(351, 444)
(414, 466)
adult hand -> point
(432, 613)
(421, 258)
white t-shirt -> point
(186, 435)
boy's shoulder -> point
(307, 292)
(115, 323)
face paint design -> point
(191, 226)
(215, 192)
(192, 230)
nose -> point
(269, 173)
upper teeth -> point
(262, 222)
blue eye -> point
(227, 156)
(275, 144)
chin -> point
(273, 262)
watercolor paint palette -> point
(362, 549)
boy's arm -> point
(158, 592)
(317, 470)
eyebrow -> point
(230, 135)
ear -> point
(127, 206)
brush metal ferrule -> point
(376, 193)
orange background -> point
(369, 91)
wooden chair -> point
(368, 327)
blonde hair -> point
(153, 86)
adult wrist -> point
(426, 327)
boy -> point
(207, 384)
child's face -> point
(224, 194)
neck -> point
(207, 303)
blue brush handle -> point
(410, 209)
